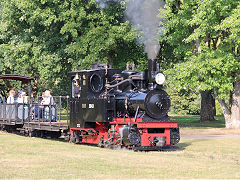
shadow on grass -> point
(182, 146)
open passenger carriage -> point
(33, 118)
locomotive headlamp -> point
(160, 78)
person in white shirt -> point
(48, 99)
(22, 98)
(11, 98)
(10, 107)
(22, 109)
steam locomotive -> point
(117, 108)
(108, 107)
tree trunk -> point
(226, 113)
(232, 115)
(214, 106)
(207, 109)
(235, 109)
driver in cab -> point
(76, 88)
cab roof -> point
(17, 77)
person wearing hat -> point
(22, 109)
(76, 87)
(22, 98)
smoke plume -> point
(143, 15)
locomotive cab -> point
(92, 105)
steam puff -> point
(143, 15)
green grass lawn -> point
(194, 121)
(191, 125)
(35, 158)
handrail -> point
(35, 112)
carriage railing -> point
(14, 113)
(56, 112)
(8, 112)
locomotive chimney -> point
(152, 67)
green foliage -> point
(184, 101)
(49, 38)
(173, 46)
(209, 70)
(219, 111)
(232, 24)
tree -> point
(230, 27)
(216, 66)
(175, 47)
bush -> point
(184, 101)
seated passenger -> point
(41, 107)
(25, 98)
(11, 98)
(43, 99)
(48, 99)
(47, 109)
(22, 108)
(37, 111)
(22, 98)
